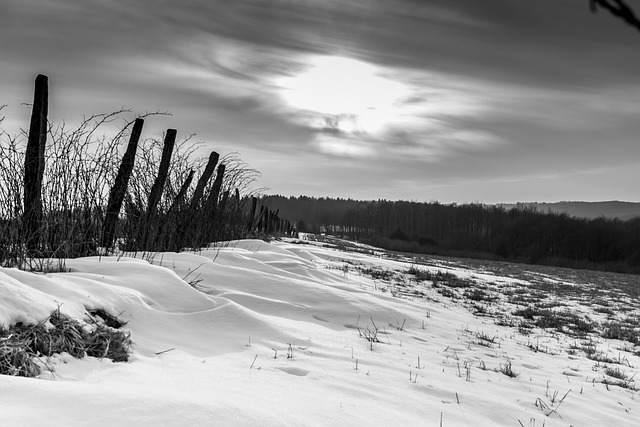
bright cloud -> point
(410, 111)
(334, 86)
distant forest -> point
(520, 234)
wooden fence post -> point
(237, 194)
(158, 186)
(223, 201)
(270, 220)
(163, 172)
(34, 164)
(174, 230)
(276, 221)
(119, 189)
(175, 206)
(212, 200)
(260, 218)
(202, 182)
(252, 213)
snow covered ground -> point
(285, 333)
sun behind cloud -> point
(344, 94)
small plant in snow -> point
(483, 336)
(399, 326)
(507, 370)
(370, 335)
(546, 408)
(290, 352)
(616, 373)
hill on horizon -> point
(590, 210)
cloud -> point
(449, 95)
(344, 147)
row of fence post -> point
(267, 222)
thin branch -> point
(619, 9)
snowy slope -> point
(275, 334)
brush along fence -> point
(70, 196)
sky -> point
(456, 101)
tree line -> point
(474, 230)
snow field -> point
(275, 334)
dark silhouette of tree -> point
(472, 230)
(617, 8)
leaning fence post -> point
(252, 214)
(223, 201)
(175, 237)
(202, 182)
(237, 202)
(267, 220)
(275, 224)
(270, 219)
(158, 185)
(260, 218)
(163, 172)
(34, 163)
(212, 200)
(119, 189)
(177, 202)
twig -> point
(165, 351)
(622, 11)
(559, 403)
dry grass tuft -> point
(21, 345)
(105, 342)
(15, 359)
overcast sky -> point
(457, 101)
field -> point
(320, 331)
